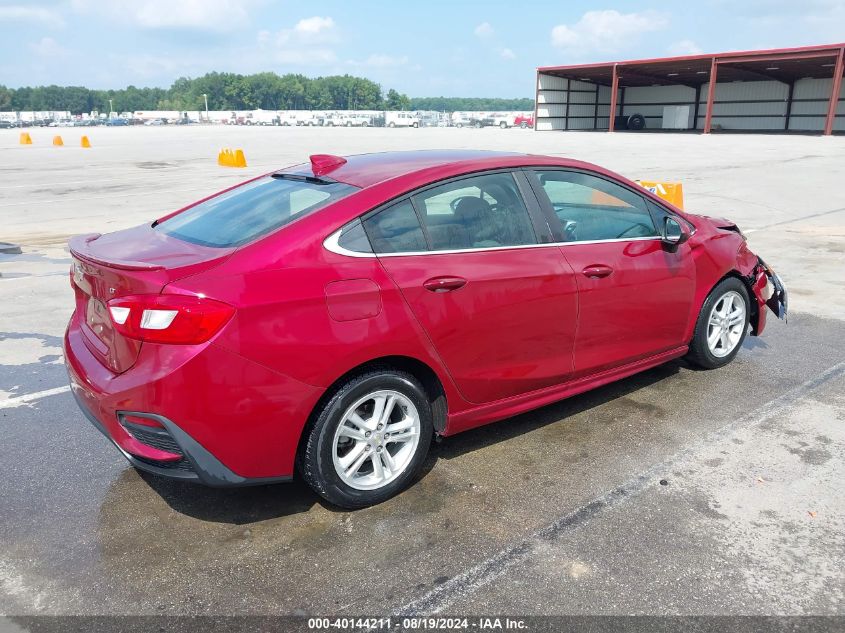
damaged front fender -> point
(778, 301)
(769, 291)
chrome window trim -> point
(331, 244)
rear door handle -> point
(597, 271)
(444, 284)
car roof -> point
(365, 170)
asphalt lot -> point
(558, 511)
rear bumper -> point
(222, 420)
(197, 464)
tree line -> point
(231, 91)
(471, 104)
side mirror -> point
(674, 233)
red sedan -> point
(330, 318)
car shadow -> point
(754, 342)
(237, 506)
(523, 423)
(251, 504)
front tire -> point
(368, 441)
(721, 326)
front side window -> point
(484, 211)
(247, 212)
(593, 209)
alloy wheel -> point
(376, 440)
(725, 324)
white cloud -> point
(484, 30)
(19, 13)
(48, 48)
(606, 31)
(198, 15)
(307, 43)
(314, 26)
(308, 31)
(507, 53)
(685, 47)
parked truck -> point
(401, 119)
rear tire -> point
(354, 457)
(722, 325)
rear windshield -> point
(252, 210)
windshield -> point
(247, 212)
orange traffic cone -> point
(26, 139)
(240, 159)
(85, 142)
(57, 141)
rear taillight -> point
(176, 319)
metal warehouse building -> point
(778, 90)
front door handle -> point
(444, 284)
(597, 271)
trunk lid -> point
(135, 261)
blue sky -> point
(422, 48)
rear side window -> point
(353, 238)
(594, 209)
(252, 210)
(396, 229)
(478, 212)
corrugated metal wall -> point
(746, 105)
(809, 105)
(551, 102)
(554, 94)
(649, 101)
(741, 105)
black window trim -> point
(418, 213)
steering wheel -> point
(631, 228)
(454, 203)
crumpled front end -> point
(769, 292)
